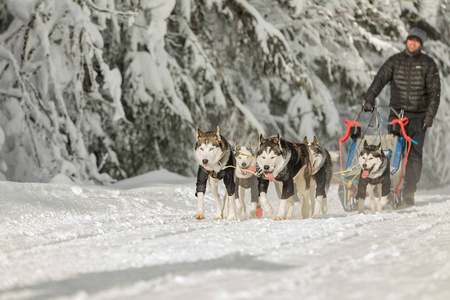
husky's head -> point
(209, 149)
(316, 154)
(271, 156)
(245, 160)
(370, 159)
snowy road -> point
(69, 242)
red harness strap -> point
(345, 137)
(402, 123)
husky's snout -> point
(266, 167)
(205, 161)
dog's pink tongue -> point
(313, 170)
(206, 165)
(365, 173)
(270, 177)
(252, 169)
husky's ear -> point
(199, 132)
(250, 147)
(379, 147)
(261, 139)
(236, 146)
(305, 140)
(276, 140)
(365, 144)
(316, 141)
(217, 133)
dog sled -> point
(396, 145)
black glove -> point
(368, 106)
(427, 122)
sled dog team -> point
(301, 170)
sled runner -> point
(396, 145)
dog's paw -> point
(199, 216)
(315, 216)
(231, 218)
(278, 218)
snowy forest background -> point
(102, 90)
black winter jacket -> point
(415, 83)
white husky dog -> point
(374, 173)
(216, 161)
(246, 179)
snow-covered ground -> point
(139, 240)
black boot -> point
(412, 177)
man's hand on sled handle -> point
(367, 106)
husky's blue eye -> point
(211, 149)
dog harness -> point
(321, 175)
(298, 155)
(248, 183)
(384, 179)
(227, 174)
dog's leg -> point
(231, 208)
(265, 204)
(290, 208)
(240, 205)
(383, 200)
(253, 207)
(200, 214)
(225, 206)
(305, 206)
(317, 206)
(361, 206)
(281, 210)
(371, 192)
(324, 205)
(313, 199)
(214, 184)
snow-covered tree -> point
(102, 89)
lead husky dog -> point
(246, 179)
(321, 171)
(216, 161)
(290, 164)
(374, 173)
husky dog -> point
(216, 161)
(246, 179)
(321, 171)
(374, 173)
(290, 164)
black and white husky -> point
(288, 163)
(216, 161)
(374, 173)
(321, 171)
(246, 179)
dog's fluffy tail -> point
(334, 156)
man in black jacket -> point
(415, 92)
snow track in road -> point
(69, 242)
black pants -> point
(415, 130)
